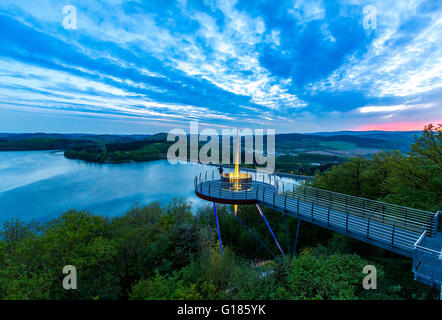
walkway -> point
(406, 231)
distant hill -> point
(398, 139)
(75, 136)
(345, 143)
(363, 133)
(44, 144)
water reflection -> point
(42, 185)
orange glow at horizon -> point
(396, 126)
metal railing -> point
(394, 215)
(427, 263)
(395, 232)
(436, 222)
(291, 176)
(408, 218)
(219, 190)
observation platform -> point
(406, 231)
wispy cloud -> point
(296, 65)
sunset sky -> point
(149, 66)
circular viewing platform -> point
(230, 189)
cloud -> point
(392, 108)
(292, 64)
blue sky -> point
(148, 66)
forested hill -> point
(346, 140)
(54, 141)
(324, 142)
(401, 139)
(44, 144)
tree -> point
(429, 145)
(321, 277)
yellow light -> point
(235, 207)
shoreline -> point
(281, 174)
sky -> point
(148, 66)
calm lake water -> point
(41, 185)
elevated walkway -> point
(427, 260)
(406, 231)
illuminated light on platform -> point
(236, 177)
(236, 181)
(232, 188)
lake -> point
(41, 185)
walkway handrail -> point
(417, 226)
(279, 174)
(436, 222)
(410, 215)
(368, 212)
(371, 226)
(427, 263)
(357, 207)
(403, 235)
(428, 250)
(420, 239)
(426, 213)
(418, 245)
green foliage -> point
(208, 277)
(306, 163)
(428, 146)
(137, 151)
(413, 180)
(336, 277)
(164, 288)
(155, 252)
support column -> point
(296, 237)
(270, 229)
(275, 226)
(287, 232)
(255, 236)
(219, 232)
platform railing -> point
(253, 172)
(363, 213)
(427, 263)
(347, 204)
(396, 222)
(409, 216)
(386, 229)
(389, 230)
(436, 222)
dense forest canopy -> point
(170, 253)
